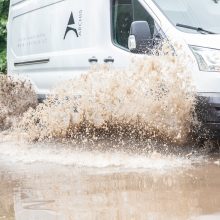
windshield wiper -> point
(201, 30)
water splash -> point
(152, 98)
(16, 97)
(73, 156)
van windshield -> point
(202, 14)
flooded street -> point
(109, 110)
(97, 150)
(48, 183)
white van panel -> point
(15, 2)
(49, 35)
(43, 45)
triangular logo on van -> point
(71, 19)
(69, 27)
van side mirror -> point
(140, 38)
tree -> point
(4, 6)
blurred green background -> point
(4, 5)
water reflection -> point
(6, 195)
(49, 192)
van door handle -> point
(109, 60)
(93, 60)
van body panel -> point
(63, 39)
(46, 38)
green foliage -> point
(4, 5)
(3, 62)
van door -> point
(124, 12)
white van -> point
(53, 40)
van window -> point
(124, 12)
(140, 14)
(203, 13)
(122, 19)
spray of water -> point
(154, 97)
(16, 97)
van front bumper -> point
(208, 112)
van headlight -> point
(208, 59)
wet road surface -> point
(76, 185)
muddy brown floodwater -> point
(48, 183)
